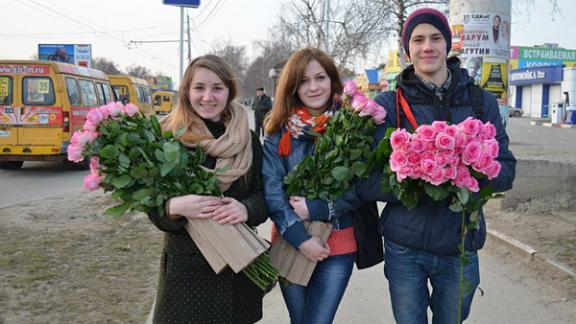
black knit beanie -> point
(426, 16)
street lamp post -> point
(273, 74)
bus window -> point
(142, 95)
(39, 91)
(5, 90)
(157, 100)
(89, 98)
(106, 91)
(122, 93)
(149, 94)
(100, 93)
(73, 92)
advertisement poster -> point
(495, 77)
(457, 37)
(42, 116)
(485, 34)
(79, 54)
(474, 67)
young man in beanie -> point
(421, 244)
(262, 105)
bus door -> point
(41, 114)
(9, 109)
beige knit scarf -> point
(232, 150)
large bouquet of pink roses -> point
(442, 161)
(341, 152)
(143, 166)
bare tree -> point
(105, 65)
(355, 26)
(138, 71)
(273, 55)
(234, 55)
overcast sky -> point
(110, 26)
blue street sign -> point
(182, 3)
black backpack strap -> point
(476, 99)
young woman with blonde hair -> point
(188, 290)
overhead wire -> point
(97, 31)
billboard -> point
(495, 77)
(482, 34)
(79, 54)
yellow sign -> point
(4, 87)
(392, 63)
(495, 78)
(43, 85)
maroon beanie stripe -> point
(426, 16)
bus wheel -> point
(11, 165)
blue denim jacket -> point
(274, 169)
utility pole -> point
(189, 40)
(483, 45)
(327, 15)
(181, 71)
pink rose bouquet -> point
(342, 151)
(442, 161)
(143, 167)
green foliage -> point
(340, 154)
(144, 166)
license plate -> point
(4, 133)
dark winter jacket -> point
(189, 291)
(432, 226)
(262, 105)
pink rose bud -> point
(369, 108)
(471, 126)
(426, 133)
(131, 109)
(349, 88)
(92, 182)
(439, 126)
(95, 116)
(489, 130)
(95, 165)
(493, 170)
(380, 115)
(359, 102)
(115, 108)
(75, 153)
(399, 138)
(471, 153)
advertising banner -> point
(79, 54)
(495, 77)
(484, 34)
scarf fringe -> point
(285, 146)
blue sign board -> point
(372, 75)
(182, 3)
(551, 74)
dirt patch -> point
(548, 224)
(63, 261)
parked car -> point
(515, 112)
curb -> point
(552, 125)
(529, 253)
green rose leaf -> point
(171, 152)
(341, 173)
(435, 192)
(166, 168)
(121, 181)
(109, 152)
(117, 210)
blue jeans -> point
(318, 302)
(408, 272)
